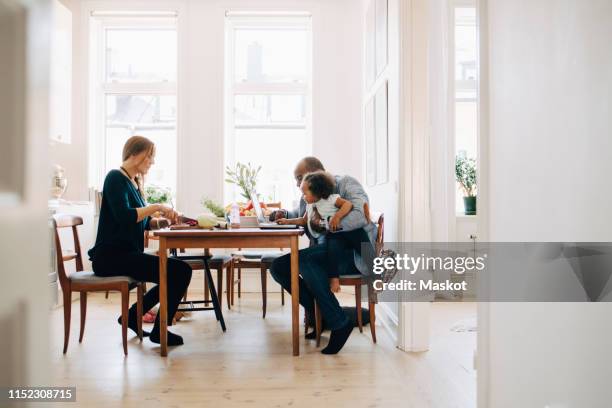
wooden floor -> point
(251, 364)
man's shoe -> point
(338, 339)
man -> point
(313, 281)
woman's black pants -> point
(145, 268)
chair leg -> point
(232, 286)
(125, 300)
(372, 308)
(139, 294)
(220, 286)
(239, 282)
(185, 296)
(264, 289)
(213, 295)
(67, 309)
(358, 307)
(106, 295)
(206, 294)
(318, 323)
(83, 299)
(282, 296)
(228, 283)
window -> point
(133, 77)
(268, 100)
(466, 84)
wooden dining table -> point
(227, 238)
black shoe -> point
(173, 339)
(338, 338)
(351, 312)
(311, 336)
(133, 325)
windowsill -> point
(466, 217)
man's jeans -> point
(314, 284)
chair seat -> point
(352, 276)
(257, 254)
(271, 257)
(214, 262)
(90, 277)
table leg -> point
(163, 297)
(295, 296)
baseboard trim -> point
(389, 321)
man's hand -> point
(282, 221)
(334, 223)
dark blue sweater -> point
(117, 226)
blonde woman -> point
(119, 247)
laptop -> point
(261, 219)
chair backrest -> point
(67, 221)
(380, 235)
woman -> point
(124, 217)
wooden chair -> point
(86, 281)
(218, 263)
(203, 261)
(256, 260)
(357, 281)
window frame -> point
(232, 88)
(100, 88)
(453, 100)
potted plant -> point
(158, 195)
(465, 173)
(213, 207)
(244, 176)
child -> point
(329, 209)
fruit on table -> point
(247, 210)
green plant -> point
(158, 195)
(244, 176)
(465, 173)
(213, 207)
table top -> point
(235, 232)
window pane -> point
(466, 52)
(151, 116)
(466, 88)
(269, 110)
(140, 55)
(278, 55)
(277, 151)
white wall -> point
(71, 156)
(336, 92)
(550, 66)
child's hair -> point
(320, 183)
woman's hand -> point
(282, 221)
(168, 213)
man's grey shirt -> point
(350, 189)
